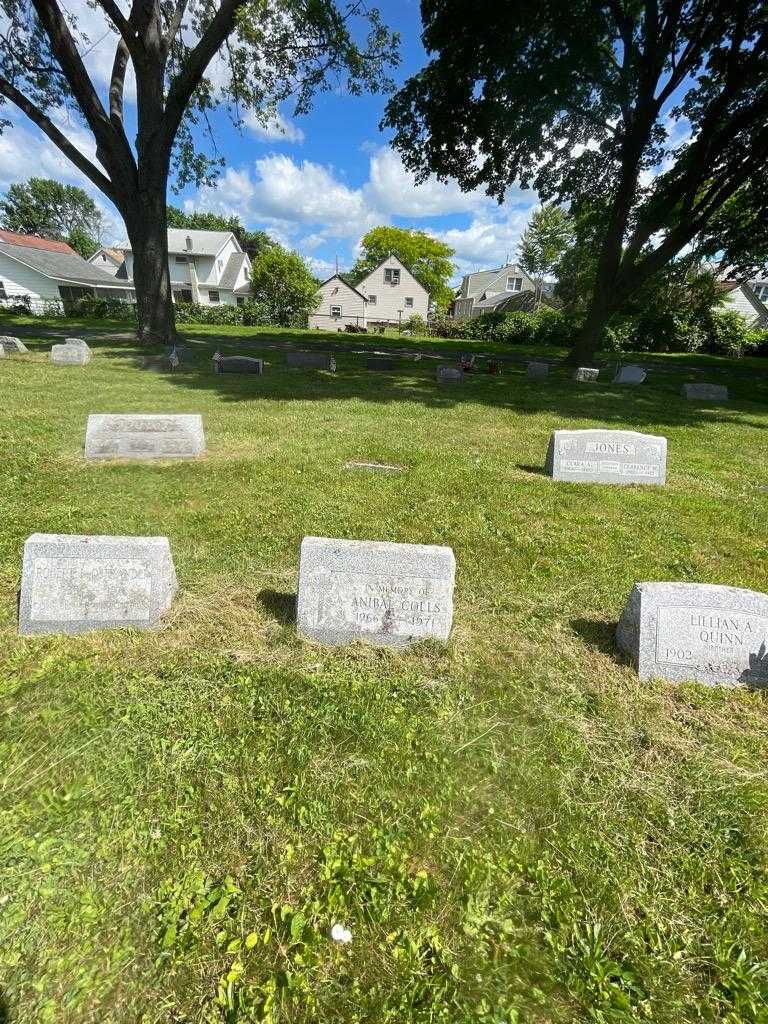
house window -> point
(762, 292)
(213, 295)
(183, 295)
(181, 259)
(335, 312)
(408, 303)
(392, 275)
(3, 293)
(372, 299)
(240, 300)
(514, 284)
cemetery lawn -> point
(514, 828)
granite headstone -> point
(144, 436)
(73, 584)
(607, 457)
(311, 361)
(705, 392)
(630, 374)
(9, 344)
(237, 364)
(537, 371)
(70, 355)
(698, 631)
(586, 374)
(78, 342)
(450, 375)
(388, 594)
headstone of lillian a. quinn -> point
(705, 392)
(310, 361)
(144, 436)
(73, 584)
(607, 457)
(699, 631)
(391, 595)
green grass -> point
(514, 828)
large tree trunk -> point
(147, 231)
(590, 338)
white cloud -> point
(321, 268)
(279, 129)
(488, 241)
(393, 188)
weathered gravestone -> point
(450, 375)
(607, 457)
(586, 374)
(537, 371)
(70, 355)
(78, 342)
(311, 360)
(237, 364)
(72, 584)
(144, 436)
(630, 375)
(389, 594)
(698, 631)
(705, 392)
(381, 363)
(9, 344)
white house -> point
(34, 271)
(108, 260)
(207, 267)
(340, 305)
(393, 293)
(489, 290)
(745, 300)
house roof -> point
(475, 284)
(398, 260)
(204, 243)
(232, 270)
(114, 254)
(338, 277)
(34, 242)
(760, 308)
(58, 264)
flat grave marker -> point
(73, 584)
(144, 436)
(700, 631)
(705, 392)
(607, 457)
(391, 595)
(375, 467)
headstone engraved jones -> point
(700, 631)
(144, 436)
(73, 584)
(607, 456)
(388, 594)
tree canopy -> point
(428, 259)
(189, 57)
(65, 213)
(656, 108)
(283, 284)
(545, 240)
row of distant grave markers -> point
(380, 592)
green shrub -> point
(416, 324)
(251, 314)
(545, 326)
(442, 326)
(727, 333)
(93, 307)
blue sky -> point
(318, 185)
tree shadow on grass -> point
(5, 1012)
(538, 470)
(282, 608)
(598, 634)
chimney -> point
(189, 243)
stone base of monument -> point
(607, 457)
(450, 375)
(144, 436)
(238, 364)
(586, 374)
(696, 631)
(391, 595)
(705, 392)
(75, 584)
(70, 355)
(9, 345)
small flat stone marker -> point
(705, 392)
(607, 457)
(379, 363)
(586, 374)
(537, 371)
(70, 355)
(450, 375)
(144, 436)
(9, 344)
(237, 364)
(700, 631)
(376, 467)
(311, 361)
(73, 584)
(630, 374)
(391, 595)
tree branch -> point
(44, 123)
(119, 20)
(117, 83)
(175, 23)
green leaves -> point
(428, 259)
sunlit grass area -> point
(513, 828)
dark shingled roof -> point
(232, 270)
(59, 264)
